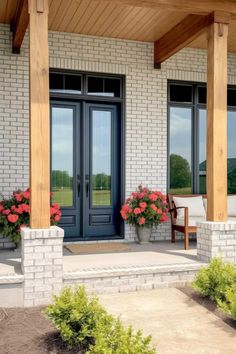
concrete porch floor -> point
(153, 254)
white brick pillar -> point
(216, 239)
(41, 260)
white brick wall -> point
(146, 102)
(41, 263)
(216, 239)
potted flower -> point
(145, 209)
(15, 214)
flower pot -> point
(143, 233)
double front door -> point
(85, 168)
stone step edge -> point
(126, 271)
(11, 279)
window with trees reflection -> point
(187, 138)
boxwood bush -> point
(217, 281)
(83, 323)
(214, 280)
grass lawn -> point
(186, 190)
(64, 197)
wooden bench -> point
(185, 228)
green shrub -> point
(214, 281)
(84, 323)
(229, 305)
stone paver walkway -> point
(177, 323)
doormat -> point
(97, 248)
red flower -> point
(123, 214)
(19, 210)
(141, 221)
(26, 194)
(24, 207)
(143, 205)
(153, 197)
(12, 218)
(137, 211)
(126, 207)
(153, 207)
(57, 218)
(164, 218)
(1, 208)
(56, 206)
(6, 211)
(159, 211)
(18, 197)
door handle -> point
(78, 186)
(87, 188)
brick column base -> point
(216, 239)
(41, 261)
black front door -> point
(85, 161)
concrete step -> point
(133, 278)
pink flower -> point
(153, 207)
(26, 194)
(125, 207)
(6, 211)
(143, 205)
(141, 221)
(141, 195)
(135, 195)
(18, 197)
(24, 207)
(137, 211)
(57, 218)
(123, 214)
(164, 218)
(153, 197)
(12, 218)
(1, 208)
(159, 211)
(19, 210)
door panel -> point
(101, 170)
(65, 165)
(85, 168)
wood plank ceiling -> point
(109, 19)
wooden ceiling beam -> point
(201, 7)
(19, 25)
(183, 34)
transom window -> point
(187, 138)
(85, 84)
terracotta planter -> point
(143, 233)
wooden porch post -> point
(39, 114)
(217, 122)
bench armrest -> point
(185, 214)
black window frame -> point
(195, 106)
(84, 85)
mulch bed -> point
(28, 331)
